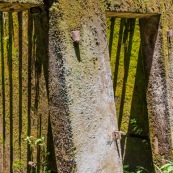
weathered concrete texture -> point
(59, 111)
(168, 51)
(158, 70)
(157, 97)
(147, 6)
(81, 95)
(81, 98)
(18, 5)
(128, 15)
(92, 101)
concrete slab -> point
(129, 15)
(18, 5)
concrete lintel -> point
(129, 15)
(6, 6)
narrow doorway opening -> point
(130, 76)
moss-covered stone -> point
(18, 5)
(158, 16)
(130, 90)
(79, 74)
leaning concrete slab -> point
(18, 5)
(82, 108)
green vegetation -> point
(23, 85)
(166, 168)
(139, 169)
(136, 128)
(34, 145)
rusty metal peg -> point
(117, 135)
(169, 33)
(32, 164)
(75, 36)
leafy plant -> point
(166, 168)
(139, 169)
(126, 169)
(136, 128)
(40, 142)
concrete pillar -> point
(157, 91)
(82, 105)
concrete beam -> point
(129, 15)
(18, 5)
(82, 107)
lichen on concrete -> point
(159, 95)
(18, 5)
(81, 92)
(83, 83)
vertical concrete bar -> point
(82, 106)
(157, 95)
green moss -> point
(75, 13)
(124, 56)
(129, 89)
(14, 73)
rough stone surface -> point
(81, 96)
(158, 69)
(18, 5)
(157, 89)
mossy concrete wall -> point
(24, 107)
(18, 5)
(81, 96)
(128, 76)
(81, 92)
(157, 59)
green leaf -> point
(170, 168)
(139, 171)
(47, 153)
(38, 141)
(126, 166)
(158, 168)
(166, 165)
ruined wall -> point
(159, 71)
(18, 5)
(129, 84)
(81, 96)
(23, 85)
(81, 92)
(70, 77)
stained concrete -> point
(81, 94)
(157, 96)
(81, 97)
(158, 60)
(18, 5)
